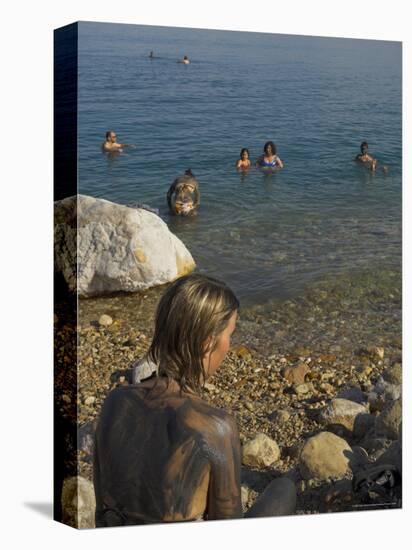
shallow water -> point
(268, 236)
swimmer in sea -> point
(243, 163)
(163, 453)
(111, 145)
(366, 158)
(185, 60)
(183, 196)
(269, 159)
(151, 55)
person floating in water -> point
(365, 157)
(183, 196)
(243, 163)
(162, 453)
(185, 60)
(151, 55)
(269, 159)
(111, 145)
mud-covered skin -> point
(183, 197)
(162, 455)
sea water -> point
(268, 236)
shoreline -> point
(250, 384)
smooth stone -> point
(341, 412)
(78, 503)
(260, 452)
(323, 456)
(297, 374)
(103, 247)
(388, 423)
(105, 320)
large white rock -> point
(103, 247)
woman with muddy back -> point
(162, 454)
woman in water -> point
(162, 454)
(269, 159)
(243, 163)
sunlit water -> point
(267, 236)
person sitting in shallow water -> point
(269, 159)
(183, 197)
(185, 60)
(163, 454)
(365, 157)
(243, 163)
(111, 145)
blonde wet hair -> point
(193, 311)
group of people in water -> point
(183, 196)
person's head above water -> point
(111, 136)
(364, 147)
(244, 153)
(269, 148)
(194, 321)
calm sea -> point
(268, 236)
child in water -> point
(243, 163)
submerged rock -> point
(103, 247)
(323, 456)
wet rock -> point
(260, 452)
(341, 412)
(78, 503)
(324, 455)
(105, 320)
(388, 422)
(297, 374)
